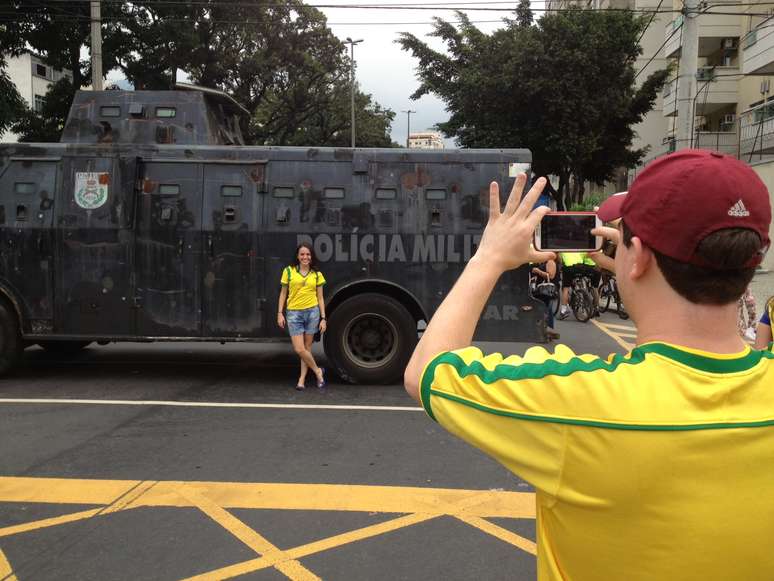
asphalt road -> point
(181, 460)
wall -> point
(765, 171)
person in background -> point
(763, 337)
(652, 464)
(747, 316)
(302, 290)
(546, 273)
(576, 264)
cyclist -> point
(575, 264)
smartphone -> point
(568, 232)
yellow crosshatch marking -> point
(215, 499)
(619, 333)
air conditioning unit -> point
(729, 43)
(729, 119)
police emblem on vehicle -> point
(91, 189)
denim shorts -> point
(304, 321)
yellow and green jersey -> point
(302, 289)
(657, 464)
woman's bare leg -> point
(299, 346)
(308, 340)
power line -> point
(652, 16)
(658, 50)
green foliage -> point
(276, 57)
(11, 103)
(587, 204)
(564, 88)
(47, 124)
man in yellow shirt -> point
(657, 464)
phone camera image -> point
(567, 232)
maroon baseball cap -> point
(681, 198)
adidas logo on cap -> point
(738, 210)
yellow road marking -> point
(48, 522)
(500, 533)
(213, 498)
(291, 568)
(312, 548)
(625, 344)
(615, 326)
(6, 573)
(336, 497)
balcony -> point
(758, 49)
(756, 130)
(713, 28)
(714, 90)
(724, 142)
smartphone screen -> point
(568, 232)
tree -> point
(11, 103)
(278, 59)
(46, 125)
(564, 88)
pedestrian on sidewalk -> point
(655, 464)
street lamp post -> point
(408, 125)
(352, 44)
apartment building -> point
(32, 78)
(425, 140)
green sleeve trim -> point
(603, 424)
(426, 382)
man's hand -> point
(507, 240)
(609, 233)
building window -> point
(41, 71)
(40, 100)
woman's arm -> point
(762, 336)
(321, 303)
(281, 306)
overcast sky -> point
(386, 71)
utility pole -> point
(96, 46)
(352, 44)
(408, 125)
(686, 79)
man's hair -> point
(702, 285)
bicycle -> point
(608, 292)
(581, 298)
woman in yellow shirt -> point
(302, 289)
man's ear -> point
(642, 258)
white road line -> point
(205, 404)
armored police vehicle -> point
(151, 221)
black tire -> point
(64, 347)
(582, 305)
(11, 344)
(370, 339)
(604, 297)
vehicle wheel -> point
(64, 347)
(604, 298)
(11, 344)
(370, 339)
(582, 305)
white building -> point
(32, 78)
(426, 140)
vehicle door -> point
(168, 252)
(27, 189)
(233, 267)
(94, 243)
